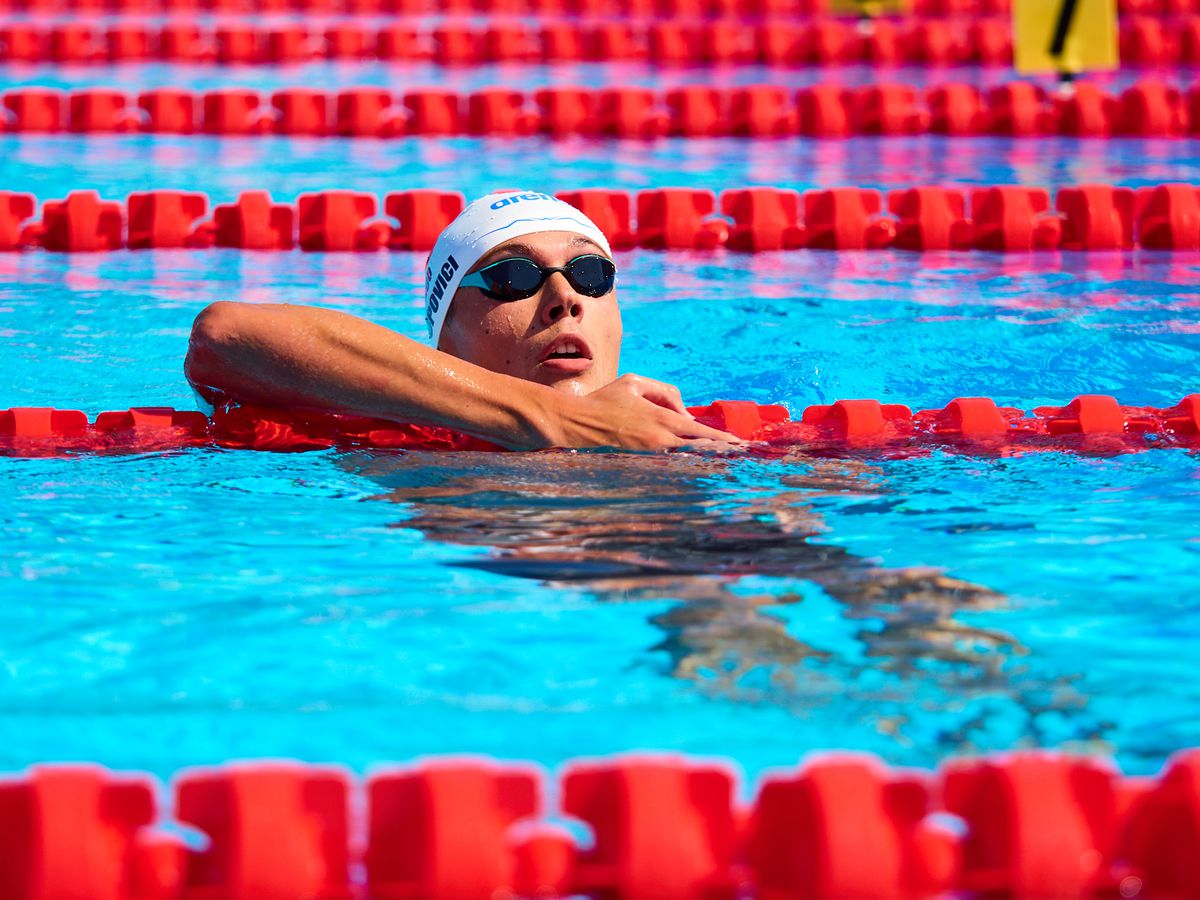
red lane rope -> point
(841, 826)
(1145, 41)
(745, 9)
(1094, 424)
(1006, 218)
(575, 8)
(1149, 108)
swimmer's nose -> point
(559, 300)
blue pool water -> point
(166, 610)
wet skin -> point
(514, 337)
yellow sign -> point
(872, 8)
(1064, 35)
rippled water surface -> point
(166, 610)
(163, 610)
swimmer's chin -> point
(576, 385)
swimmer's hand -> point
(634, 413)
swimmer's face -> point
(531, 338)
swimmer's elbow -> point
(215, 331)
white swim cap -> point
(484, 224)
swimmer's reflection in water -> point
(686, 528)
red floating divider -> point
(163, 218)
(612, 211)
(422, 215)
(15, 209)
(1010, 218)
(336, 220)
(418, 845)
(697, 111)
(367, 112)
(931, 218)
(254, 222)
(275, 830)
(81, 223)
(846, 219)
(972, 419)
(1149, 108)
(1161, 840)
(1014, 218)
(169, 111)
(42, 423)
(631, 112)
(500, 111)
(1088, 414)
(761, 111)
(860, 421)
(433, 112)
(688, 40)
(566, 111)
(845, 828)
(1168, 217)
(1096, 217)
(663, 828)
(98, 110)
(1037, 825)
(36, 110)
(301, 111)
(746, 420)
(763, 219)
(75, 831)
(234, 111)
(1089, 424)
(678, 218)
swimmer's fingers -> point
(735, 447)
(690, 431)
(658, 392)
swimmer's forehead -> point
(522, 246)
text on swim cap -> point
(508, 201)
(449, 267)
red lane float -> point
(1145, 41)
(1004, 218)
(1093, 424)
(839, 827)
(1148, 108)
(751, 10)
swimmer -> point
(521, 309)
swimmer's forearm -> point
(311, 358)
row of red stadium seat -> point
(1145, 41)
(1009, 218)
(1147, 109)
(839, 827)
(1092, 424)
(743, 9)
(816, 42)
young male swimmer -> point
(521, 306)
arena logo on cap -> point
(508, 201)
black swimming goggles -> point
(518, 278)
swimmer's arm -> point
(312, 358)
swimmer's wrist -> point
(539, 413)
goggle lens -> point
(518, 278)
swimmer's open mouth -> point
(567, 346)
